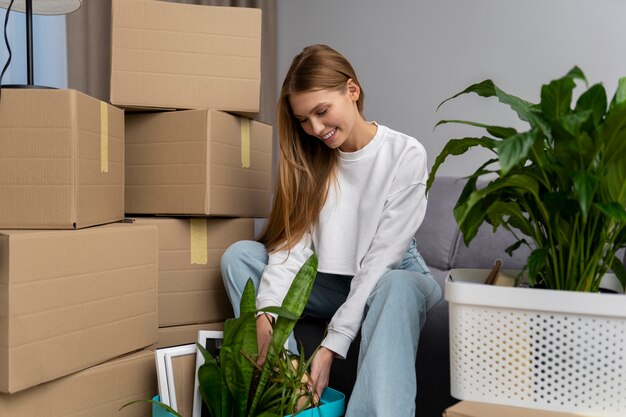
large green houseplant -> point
(559, 187)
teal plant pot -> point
(333, 404)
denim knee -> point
(242, 253)
(400, 283)
(241, 261)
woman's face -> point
(329, 115)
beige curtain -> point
(89, 49)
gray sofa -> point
(441, 244)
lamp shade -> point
(48, 7)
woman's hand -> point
(320, 370)
(264, 323)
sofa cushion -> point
(438, 235)
(488, 246)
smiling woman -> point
(328, 115)
(352, 192)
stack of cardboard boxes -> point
(84, 296)
(198, 173)
(77, 289)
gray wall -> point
(411, 55)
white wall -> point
(411, 55)
(49, 50)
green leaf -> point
(613, 136)
(573, 123)
(614, 183)
(593, 100)
(509, 250)
(523, 183)
(613, 210)
(239, 336)
(577, 74)
(555, 202)
(585, 184)
(499, 132)
(471, 223)
(511, 214)
(484, 89)
(248, 298)
(294, 303)
(620, 240)
(158, 403)
(457, 147)
(620, 94)
(514, 149)
(620, 272)
(469, 211)
(523, 108)
(210, 381)
(556, 98)
(536, 261)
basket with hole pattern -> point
(537, 348)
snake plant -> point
(236, 386)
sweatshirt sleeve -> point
(280, 272)
(402, 214)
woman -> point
(353, 192)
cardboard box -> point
(197, 162)
(95, 392)
(71, 299)
(183, 335)
(61, 160)
(476, 409)
(191, 289)
(183, 56)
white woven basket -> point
(536, 348)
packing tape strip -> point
(198, 241)
(104, 137)
(245, 142)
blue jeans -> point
(395, 313)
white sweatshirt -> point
(364, 228)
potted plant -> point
(234, 385)
(559, 188)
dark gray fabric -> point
(437, 236)
(486, 247)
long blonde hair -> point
(306, 166)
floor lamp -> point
(42, 7)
